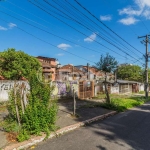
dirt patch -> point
(12, 137)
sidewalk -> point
(84, 111)
(65, 121)
(3, 139)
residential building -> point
(70, 72)
(93, 73)
(49, 66)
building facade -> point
(49, 67)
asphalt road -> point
(125, 131)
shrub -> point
(40, 112)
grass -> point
(103, 96)
(141, 92)
(121, 103)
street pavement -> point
(84, 111)
(125, 131)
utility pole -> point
(72, 72)
(74, 102)
(88, 71)
(146, 42)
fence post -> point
(74, 102)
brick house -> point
(49, 66)
(70, 72)
(93, 73)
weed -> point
(39, 115)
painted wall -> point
(64, 88)
(7, 85)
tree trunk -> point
(16, 106)
(106, 91)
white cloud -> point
(3, 28)
(130, 11)
(146, 14)
(11, 25)
(142, 9)
(91, 38)
(142, 3)
(60, 54)
(63, 46)
(128, 21)
(106, 18)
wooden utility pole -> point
(146, 42)
(88, 71)
(74, 102)
(72, 72)
(106, 90)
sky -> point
(65, 30)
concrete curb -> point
(35, 140)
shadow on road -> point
(127, 131)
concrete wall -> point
(115, 89)
(7, 85)
(141, 87)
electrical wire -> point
(49, 43)
(55, 34)
(75, 28)
(105, 25)
(69, 25)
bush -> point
(40, 112)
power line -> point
(48, 22)
(143, 21)
(34, 15)
(146, 41)
(84, 25)
(113, 38)
(128, 26)
(49, 43)
(70, 26)
(55, 34)
(89, 29)
(78, 30)
(105, 25)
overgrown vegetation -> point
(121, 102)
(15, 65)
(39, 114)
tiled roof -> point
(70, 67)
(46, 58)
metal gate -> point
(86, 89)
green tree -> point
(130, 72)
(109, 64)
(16, 64)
